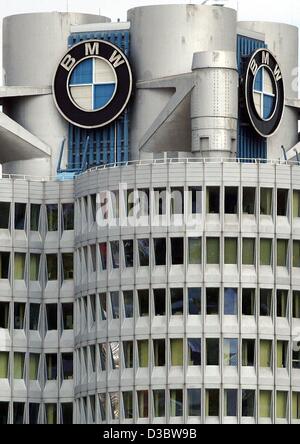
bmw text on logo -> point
(264, 92)
(93, 84)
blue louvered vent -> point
(109, 144)
(250, 144)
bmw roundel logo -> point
(264, 92)
(93, 84)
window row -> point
(33, 267)
(178, 302)
(190, 352)
(21, 316)
(29, 217)
(175, 251)
(34, 366)
(178, 201)
(177, 403)
(34, 413)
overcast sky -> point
(286, 11)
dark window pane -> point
(266, 302)
(196, 199)
(230, 302)
(212, 352)
(159, 346)
(128, 303)
(51, 311)
(231, 200)
(143, 246)
(212, 301)
(68, 216)
(194, 352)
(177, 301)
(143, 297)
(67, 413)
(194, 295)
(34, 413)
(159, 403)
(4, 413)
(282, 202)
(128, 253)
(19, 412)
(51, 363)
(4, 315)
(176, 403)
(177, 251)
(213, 200)
(67, 365)
(34, 314)
(249, 195)
(35, 211)
(231, 403)
(248, 403)
(4, 265)
(103, 255)
(52, 217)
(20, 216)
(128, 354)
(115, 305)
(68, 266)
(248, 302)
(213, 403)
(67, 316)
(282, 303)
(160, 251)
(194, 402)
(19, 316)
(115, 254)
(52, 267)
(248, 352)
(160, 302)
(4, 215)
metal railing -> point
(146, 162)
(189, 160)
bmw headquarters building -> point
(149, 219)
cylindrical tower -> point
(36, 43)
(163, 42)
(214, 112)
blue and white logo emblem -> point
(264, 92)
(93, 84)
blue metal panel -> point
(103, 148)
(83, 73)
(250, 144)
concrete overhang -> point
(8, 92)
(293, 103)
(16, 143)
